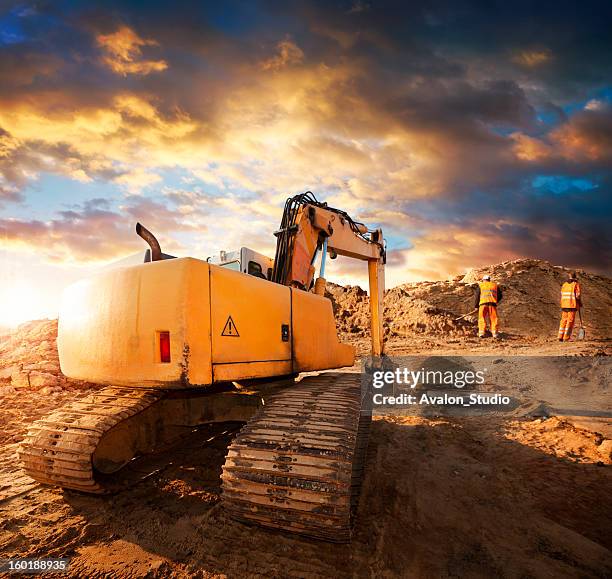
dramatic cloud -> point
(94, 232)
(124, 53)
(471, 134)
(583, 144)
(288, 53)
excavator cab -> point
(246, 261)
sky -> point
(471, 132)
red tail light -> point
(164, 347)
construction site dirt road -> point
(521, 494)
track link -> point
(297, 464)
(58, 449)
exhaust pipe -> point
(156, 252)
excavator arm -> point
(310, 228)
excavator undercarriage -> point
(82, 445)
(186, 343)
(295, 465)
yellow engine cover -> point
(222, 325)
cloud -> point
(585, 138)
(532, 58)
(123, 142)
(450, 249)
(22, 68)
(137, 179)
(588, 135)
(433, 121)
(95, 232)
(22, 161)
(288, 54)
(123, 53)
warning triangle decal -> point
(230, 328)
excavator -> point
(177, 343)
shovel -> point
(466, 315)
(581, 332)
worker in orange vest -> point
(570, 303)
(488, 295)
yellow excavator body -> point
(221, 325)
(177, 343)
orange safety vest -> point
(488, 292)
(570, 292)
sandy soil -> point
(496, 495)
(510, 345)
(529, 308)
(521, 494)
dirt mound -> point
(29, 359)
(406, 312)
(29, 365)
(530, 304)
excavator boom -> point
(309, 227)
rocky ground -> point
(517, 494)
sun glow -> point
(20, 302)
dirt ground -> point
(524, 493)
(529, 308)
(470, 496)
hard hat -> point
(486, 277)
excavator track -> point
(58, 449)
(298, 463)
